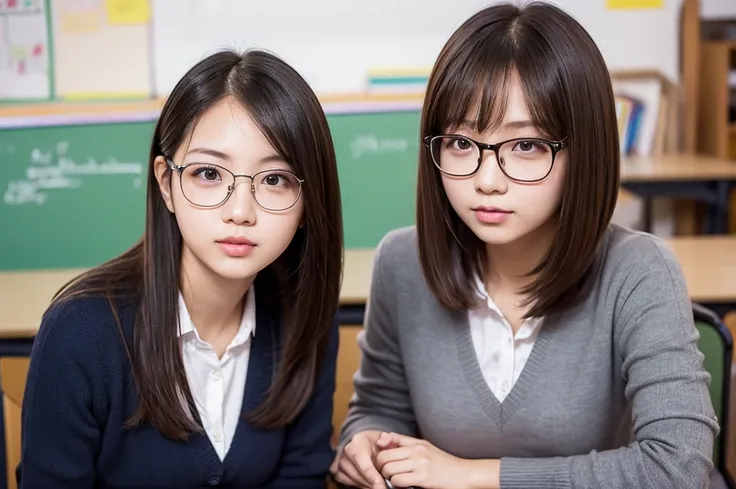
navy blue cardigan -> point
(80, 392)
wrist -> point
(483, 474)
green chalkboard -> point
(74, 195)
(377, 160)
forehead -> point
(508, 104)
(227, 127)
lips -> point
(491, 208)
(236, 246)
(491, 215)
(237, 240)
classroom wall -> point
(718, 9)
(142, 47)
(333, 43)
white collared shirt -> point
(501, 354)
(218, 384)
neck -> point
(508, 266)
(215, 304)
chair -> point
(716, 344)
(13, 379)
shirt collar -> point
(247, 322)
(527, 328)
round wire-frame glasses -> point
(272, 189)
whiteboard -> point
(24, 51)
(334, 43)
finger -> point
(385, 441)
(349, 475)
(335, 463)
(405, 441)
(407, 479)
(349, 470)
(364, 463)
(392, 455)
(395, 468)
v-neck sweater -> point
(80, 393)
(614, 394)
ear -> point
(163, 173)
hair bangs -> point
(476, 96)
(544, 93)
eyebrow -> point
(224, 156)
(520, 124)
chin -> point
(497, 234)
(236, 268)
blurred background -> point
(82, 83)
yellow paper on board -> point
(127, 12)
(79, 22)
(633, 4)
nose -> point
(489, 178)
(240, 207)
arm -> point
(673, 419)
(308, 450)
(381, 401)
(60, 433)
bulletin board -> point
(25, 69)
(101, 49)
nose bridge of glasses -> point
(488, 150)
(246, 179)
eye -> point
(462, 144)
(279, 179)
(272, 179)
(529, 147)
(207, 173)
(457, 144)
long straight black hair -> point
(306, 277)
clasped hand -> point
(373, 457)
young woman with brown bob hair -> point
(205, 355)
(516, 338)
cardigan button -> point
(214, 481)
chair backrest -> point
(14, 371)
(716, 344)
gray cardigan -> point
(614, 394)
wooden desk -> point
(668, 168)
(695, 177)
(709, 265)
(708, 262)
(24, 296)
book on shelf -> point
(645, 104)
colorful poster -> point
(634, 4)
(24, 59)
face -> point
(496, 208)
(238, 238)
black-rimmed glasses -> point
(525, 160)
(208, 185)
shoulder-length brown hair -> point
(568, 90)
(308, 273)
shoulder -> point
(83, 327)
(634, 252)
(398, 248)
(640, 270)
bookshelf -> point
(717, 99)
